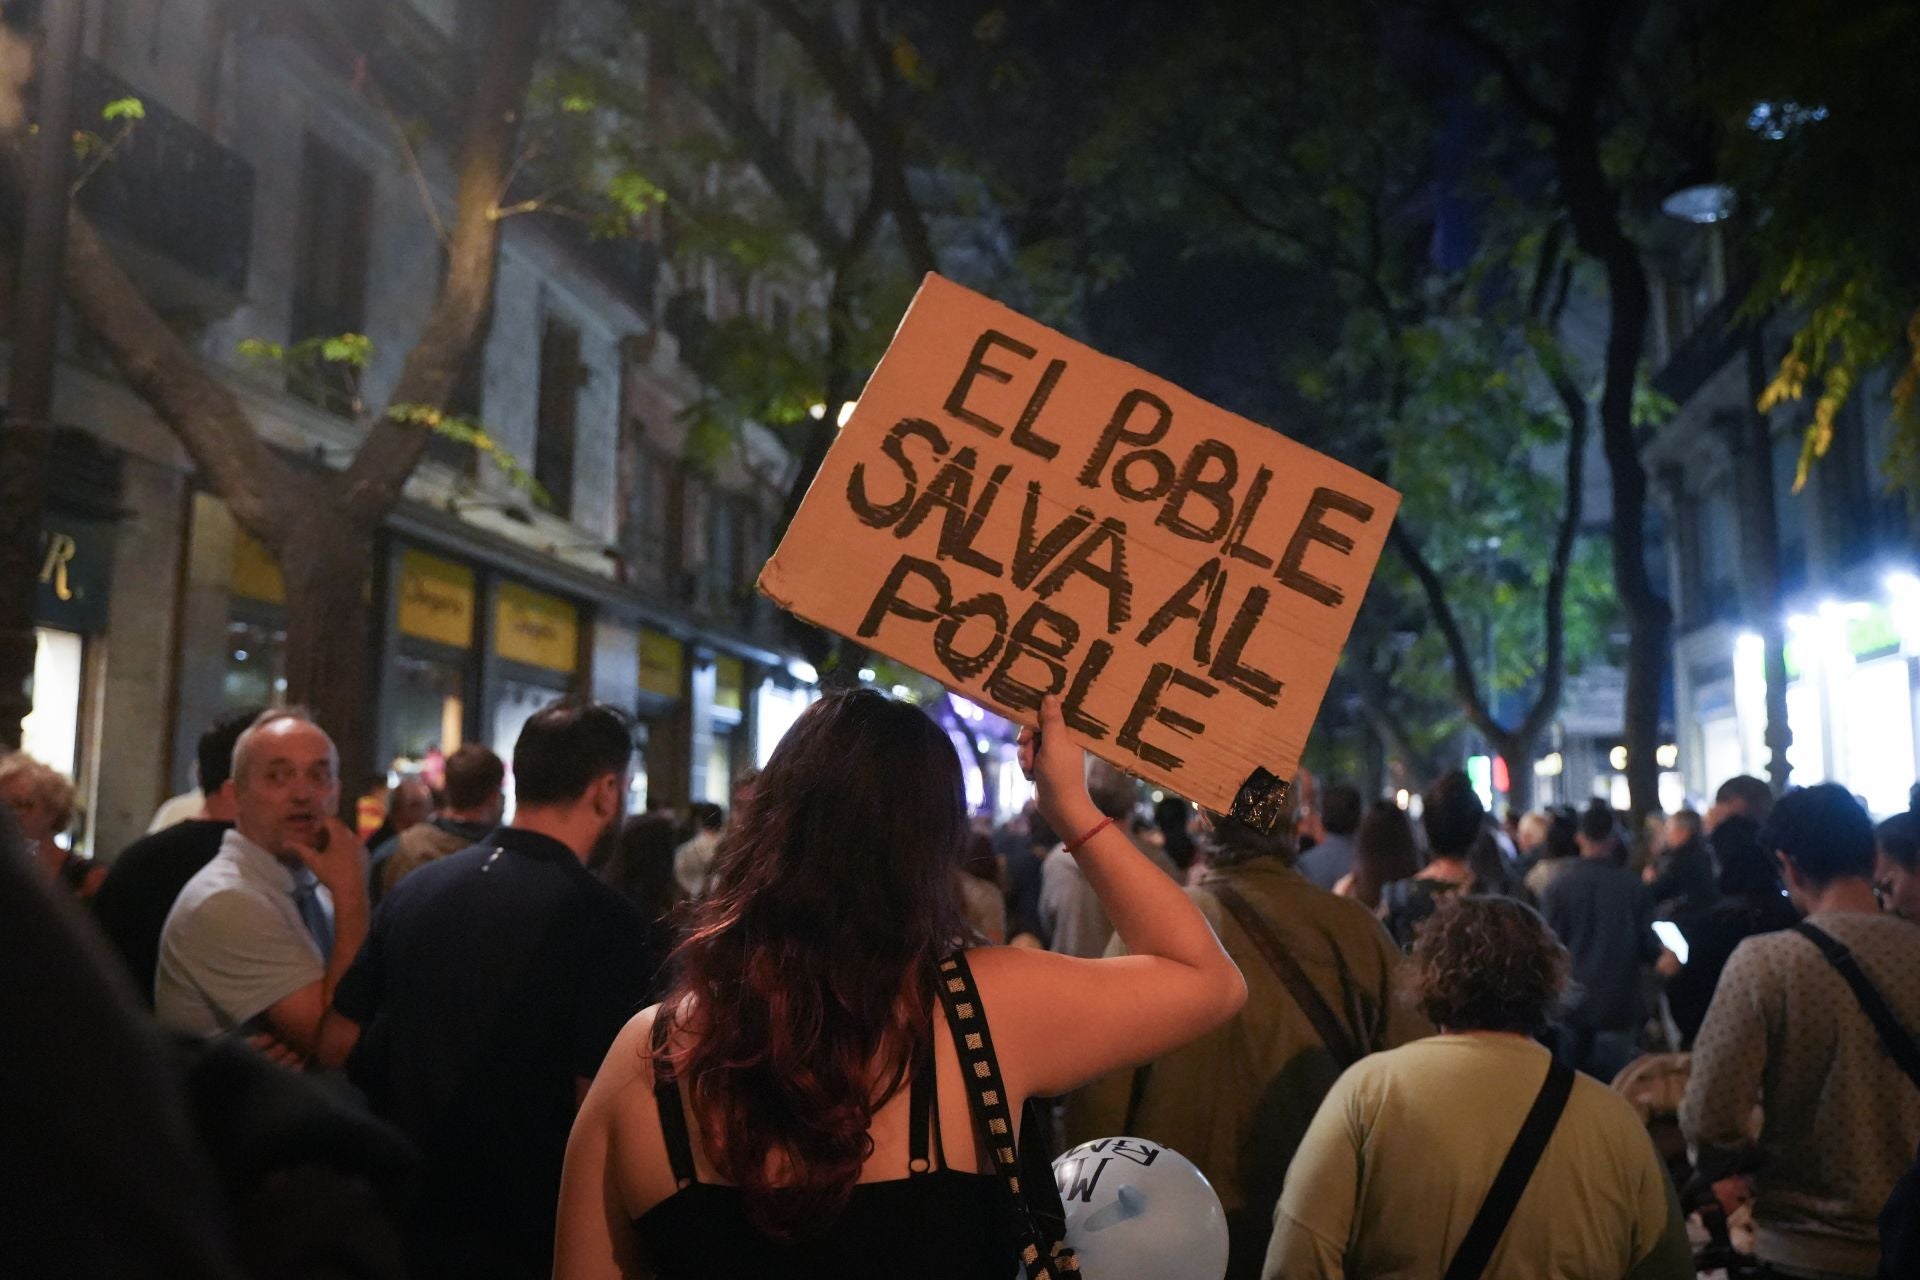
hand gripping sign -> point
(1015, 514)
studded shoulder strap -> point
(1043, 1249)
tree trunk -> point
(1517, 751)
(327, 567)
(1760, 539)
(322, 530)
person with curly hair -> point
(42, 800)
(1401, 1155)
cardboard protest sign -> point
(1013, 513)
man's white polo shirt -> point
(235, 944)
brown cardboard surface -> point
(1012, 513)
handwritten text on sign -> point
(1015, 514)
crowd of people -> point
(754, 1039)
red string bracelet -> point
(1097, 828)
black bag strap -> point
(1039, 1219)
(1332, 1032)
(1503, 1197)
(1899, 1043)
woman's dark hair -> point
(1745, 869)
(641, 864)
(1452, 816)
(980, 861)
(1488, 862)
(1487, 964)
(1384, 851)
(808, 973)
(1171, 814)
(1598, 821)
(1823, 831)
(1899, 838)
(1562, 827)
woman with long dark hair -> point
(1384, 850)
(796, 1105)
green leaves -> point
(124, 109)
(469, 432)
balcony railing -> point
(171, 193)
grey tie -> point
(313, 913)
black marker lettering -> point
(1312, 529)
(964, 665)
(1211, 580)
(1073, 710)
(1236, 543)
(1216, 491)
(1024, 436)
(1026, 640)
(1228, 668)
(1029, 556)
(977, 366)
(1147, 707)
(888, 601)
(874, 514)
(1116, 431)
(1112, 537)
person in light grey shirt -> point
(1330, 860)
(260, 936)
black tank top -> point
(934, 1224)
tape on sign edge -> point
(1261, 802)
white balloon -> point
(1137, 1210)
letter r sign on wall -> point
(1015, 514)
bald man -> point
(261, 936)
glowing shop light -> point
(803, 671)
(846, 411)
(1668, 755)
(1551, 765)
(1618, 759)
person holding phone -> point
(797, 1103)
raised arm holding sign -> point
(1016, 515)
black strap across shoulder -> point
(1503, 1197)
(673, 1117)
(1326, 1023)
(1039, 1219)
(1899, 1043)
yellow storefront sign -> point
(436, 600)
(535, 628)
(256, 574)
(661, 663)
(728, 676)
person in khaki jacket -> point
(475, 802)
(1237, 1101)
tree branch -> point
(1466, 684)
(705, 75)
(1546, 703)
(1497, 58)
(878, 123)
(257, 484)
(373, 481)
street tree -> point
(1439, 365)
(1799, 95)
(320, 523)
(1569, 77)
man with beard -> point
(487, 993)
(260, 936)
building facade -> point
(269, 193)
(1819, 583)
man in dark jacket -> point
(142, 883)
(1599, 911)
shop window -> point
(256, 664)
(560, 378)
(428, 709)
(50, 733)
(330, 270)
